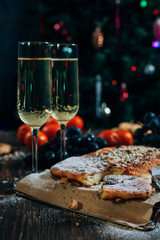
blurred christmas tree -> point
(119, 57)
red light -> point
(64, 32)
(68, 38)
(54, 51)
(56, 26)
(22, 87)
(125, 95)
(114, 82)
(155, 11)
(133, 68)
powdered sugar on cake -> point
(88, 164)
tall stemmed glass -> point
(34, 88)
(65, 82)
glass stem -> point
(63, 142)
(34, 150)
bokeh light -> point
(143, 3)
(133, 68)
(156, 44)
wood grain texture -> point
(26, 219)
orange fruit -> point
(125, 137)
(76, 121)
(42, 138)
(50, 130)
(21, 132)
(110, 136)
(52, 120)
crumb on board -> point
(63, 180)
(74, 204)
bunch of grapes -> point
(76, 145)
(149, 134)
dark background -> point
(127, 31)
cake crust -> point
(132, 163)
(126, 187)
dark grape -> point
(50, 158)
(76, 140)
(148, 117)
(154, 124)
(92, 147)
(58, 158)
(58, 133)
(84, 150)
(137, 142)
(69, 148)
(139, 133)
(28, 159)
(73, 131)
(86, 140)
(45, 147)
(76, 151)
(58, 141)
(67, 140)
(91, 136)
(41, 160)
(147, 140)
(55, 146)
(101, 142)
(156, 140)
(145, 127)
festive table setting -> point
(33, 206)
(80, 120)
(62, 180)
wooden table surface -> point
(22, 218)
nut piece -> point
(74, 204)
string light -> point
(114, 82)
(107, 110)
(97, 38)
(69, 38)
(133, 68)
(155, 12)
(123, 92)
(123, 86)
(100, 41)
(56, 26)
(64, 32)
(156, 44)
(125, 95)
(143, 3)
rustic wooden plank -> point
(22, 218)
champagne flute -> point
(65, 82)
(34, 89)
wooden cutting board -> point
(43, 187)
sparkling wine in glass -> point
(34, 89)
(65, 86)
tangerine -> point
(76, 121)
(21, 132)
